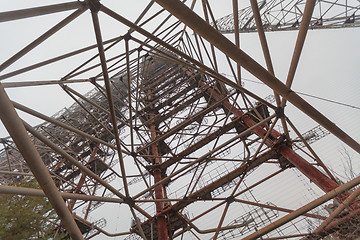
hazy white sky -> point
(328, 68)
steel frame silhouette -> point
(161, 109)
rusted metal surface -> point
(305, 208)
(192, 20)
(191, 150)
(17, 130)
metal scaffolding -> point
(190, 151)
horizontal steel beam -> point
(40, 83)
(195, 22)
(313, 204)
(38, 11)
(39, 193)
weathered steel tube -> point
(39, 193)
(305, 21)
(42, 38)
(75, 162)
(27, 149)
(191, 19)
(38, 11)
(338, 210)
(60, 124)
(304, 209)
(39, 83)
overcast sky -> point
(328, 68)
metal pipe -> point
(317, 158)
(39, 193)
(278, 208)
(100, 229)
(42, 38)
(55, 59)
(191, 19)
(75, 162)
(38, 11)
(39, 83)
(201, 67)
(306, 18)
(203, 157)
(326, 197)
(60, 124)
(237, 35)
(32, 157)
(97, 30)
(265, 48)
(159, 190)
(16, 173)
(338, 210)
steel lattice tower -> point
(190, 151)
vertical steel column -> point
(161, 220)
(27, 149)
(320, 179)
(192, 20)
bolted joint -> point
(92, 80)
(230, 199)
(63, 86)
(94, 5)
(127, 37)
(280, 112)
(129, 201)
(133, 154)
(140, 49)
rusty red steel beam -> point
(345, 204)
(17, 131)
(201, 143)
(195, 22)
(321, 180)
(204, 157)
(216, 184)
(186, 122)
(162, 229)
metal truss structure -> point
(189, 151)
(278, 15)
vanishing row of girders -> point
(280, 15)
